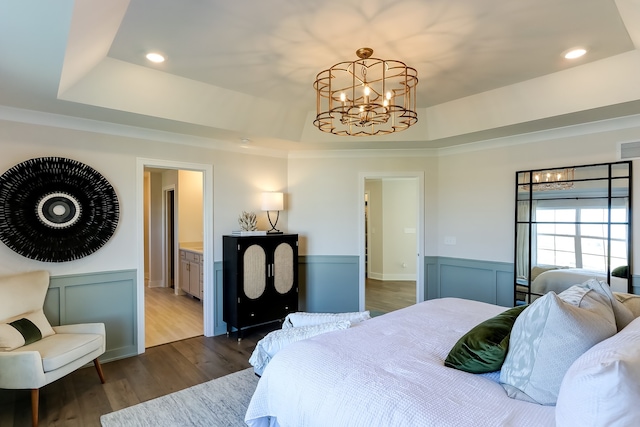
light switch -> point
(449, 240)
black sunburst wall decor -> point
(55, 209)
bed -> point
(561, 279)
(388, 371)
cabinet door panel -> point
(254, 278)
(283, 268)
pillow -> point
(620, 271)
(275, 341)
(631, 301)
(549, 336)
(483, 348)
(295, 320)
(602, 387)
(622, 314)
(24, 329)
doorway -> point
(169, 264)
(174, 223)
(391, 241)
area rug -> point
(219, 402)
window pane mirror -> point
(572, 224)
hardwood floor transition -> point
(169, 317)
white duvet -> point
(388, 371)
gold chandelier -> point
(365, 97)
(552, 179)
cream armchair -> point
(32, 353)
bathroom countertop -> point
(192, 247)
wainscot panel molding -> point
(104, 297)
(486, 281)
(219, 325)
(635, 283)
(328, 283)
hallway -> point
(170, 317)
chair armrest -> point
(81, 328)
(21, 370)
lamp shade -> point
(273, 201)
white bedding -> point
(388, 371)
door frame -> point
(420, 229)
(207, 241)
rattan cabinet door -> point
(283, 264)
(255, 281)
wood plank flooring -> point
(389, 295)
(170, 317)
(79, 399)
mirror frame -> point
(529, 180)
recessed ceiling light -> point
(575, 53)
(155, 57)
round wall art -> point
(56, 209)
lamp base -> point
(274, 232)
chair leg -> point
(96, 363)
(35, 397)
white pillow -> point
(275, 341)
(549, 336)
(295, 320)
(631, 301)
(602, 387)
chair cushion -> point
(60, 349)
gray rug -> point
(219, 402)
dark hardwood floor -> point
(79, 399)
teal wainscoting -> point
(105, 297)
(328, 283)
(635, 284)
(219, 325)
(486, 281)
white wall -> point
(190, 205)
(325, 200)
(239, 179)
(400, 218)
(469, 191)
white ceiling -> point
(245, 68)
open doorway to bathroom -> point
(173, 252)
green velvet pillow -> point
(484, 348)
(620, 271)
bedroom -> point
(468, 190)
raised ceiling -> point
(244, 69)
